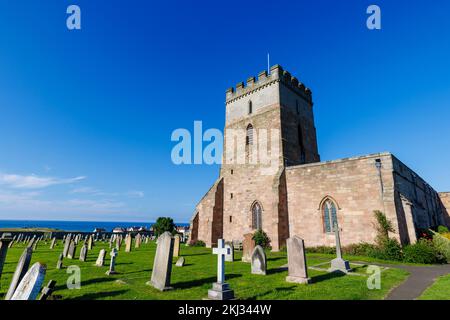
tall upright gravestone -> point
(162, 265)
(137, 241)
(230, 256)
(30, 286)
(297, 268)
(72, 250)
(248, 246)
(52, 245)
(67, 244)
(176, 246)
(339, 264)
(128, 243)
(21, 270)
(4, 245)
(83, 252)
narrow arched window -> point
(249, 135)
(256, 216)
(329, 215)
(250, 107)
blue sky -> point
(86, 116)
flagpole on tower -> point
(268, 63)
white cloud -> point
(34, 182)
(97, 192)
(135, 194)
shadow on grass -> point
(277, 270)
(97, 295)
(275, 258)
(201, 282)
(195, 254)
(63, 286)
(327, 276)
(286, 290)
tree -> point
(162, 225)
(384, 226)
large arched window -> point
(249, 135)
(329, 211)
(256, 216)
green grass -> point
(440, 290)
(194, 279)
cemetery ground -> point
(192, 281)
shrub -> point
(359, 249)
(442, 245)
(162, 225)
(392, 250)
(383, 226)
(446, 235)
(442, 229)
(421, 252)
(197, 243)
(262, 239)
(321, 249)
(426, 234)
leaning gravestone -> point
(30, 286)
(21, 270)
(259, 261)
(59, 264)
(128, 242)
(297, 268)
(229, 257)
(47, 291)
(83, 253)
(176, 246)
(112, 264)
(162, 265)
(72, 250)
(247, 247)
(101, 258)
(89, 243)
(52, 245)
(67, 245)
(339, 264)
(180, 262)
(4, 245)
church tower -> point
(270, 117)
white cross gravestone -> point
(21, 270)
(162, 265)
(31, 284)
(112, 264)
(339, 264)
(297, 268)
(221, 290)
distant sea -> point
(82, 226)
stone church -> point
(304, 196)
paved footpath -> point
(419, 280)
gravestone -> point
(59, 264)
(83, 252)
(30, 286)
(52, 245)
(67, 245)
(137, 241)
(112, 264)
(229, 257)
(297, 268)
(89, 243)
(180, 262)
(21, 270)
(5, 240)
(248, 245)
(146, 239)
(259, 261)
(128, 243)
(118, 242)
(162, 264)
(101, 258)
(48, 290)
(36, 244)
(339, 264)
(72, 250)
(220, 290)
(176, 246)
(11, 244)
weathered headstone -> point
(220, 289)
(137, 241)
(5, 240)
(229, 257)
(47, 291)
(72, 250)
(180, 262)
(339, 264)
(59, 264)
(248, 245)
(30, 286)
(259, 261)
(297, 268)
(90, 242)
(52, 245)
(162, 264)
(21, 270)
(112, 264)
(128, 242)
(101, 258)
(83, 252)
(176, 246)
(67, 245)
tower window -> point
(250, 107)
(249, 136)
(231, 219)
(231, 195)
(329, 215)
(256, 216)
(231, 171)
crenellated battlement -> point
(277, 74)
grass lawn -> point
(440, 290)
(194, 279)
